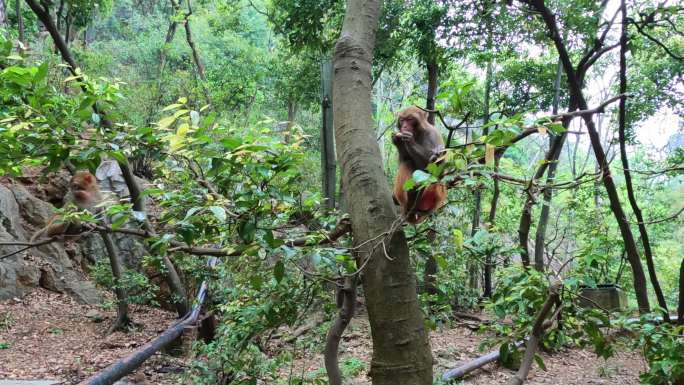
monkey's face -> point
(83, 187)
(408, 124)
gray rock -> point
(48, 266)
(30, 382)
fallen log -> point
(477, 363)
(126, 365)
(492, 356)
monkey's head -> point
(84, 188)
(413, 120)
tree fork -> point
(401, 349)
(574, 86)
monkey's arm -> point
(423, 154)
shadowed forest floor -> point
(48, 336)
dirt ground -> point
(48, 336)
(453, 347)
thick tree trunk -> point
(328, 165)
(575, 88)
(59, 15)
(401, 350)
(67, 31)
(645, 242)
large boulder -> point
(49, 266)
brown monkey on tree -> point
(419, 144)
(85, 194)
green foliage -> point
(663, 347)
(310, 24)
(516, 302)
(137, 285)
(352, 367)
(226, 175)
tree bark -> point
(191, 43)
(430, 273)
(122, 320)
(328, 165)
(575, 88)
(58, 15)
(526, 217)
(170, 34)
(195, 54)
(491, 220)
(67, 31)
(540, 237)
(536, 334)
(20, 23)
(433, 74)
(3, 14)
(332, 341)
(680, 307)
(172, 277)
(631, 196)
(401, 350)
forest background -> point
(225, 108)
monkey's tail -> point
(38, 234)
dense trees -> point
(536, 99)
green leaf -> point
(272, 241)
(192, 212)
(219, 213)
(116, 223)
(556, 128)
(194, 117)
(441, 262)
(118, 156)
(420, 176)
(247, 230)
(166, 122)
(171, 107)
(256, 282)
(279, 271)
(458, 239)
(41, 73)
(409, 184)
